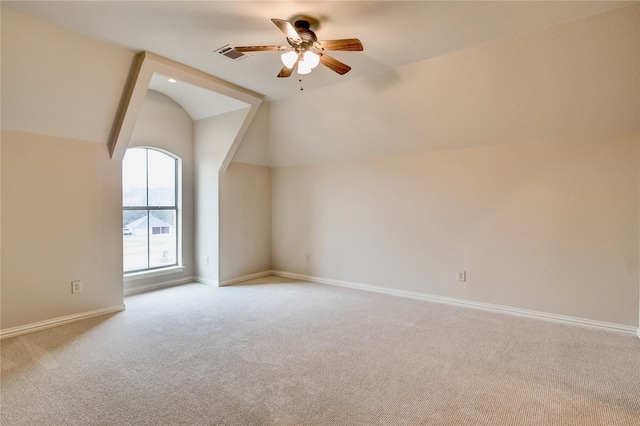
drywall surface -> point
(207, 160)
(576, 80)
(163, 123)
(254, 148)
(61, 221)
(57, 82)
(213, 138)
(245, 220)
(61, 194)
(550, 226)
(516, 161)
(219, 132)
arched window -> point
(150, 194)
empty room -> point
(332, 213)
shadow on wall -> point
(383, 81)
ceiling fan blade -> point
(349, 44)
(286, 28)
(285, 72)
(257, 48)
(334, 64)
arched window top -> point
(149, 178)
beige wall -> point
(163, 123)
(61, 221)
(61, 194)
(550, 227)
(213, 137)
(245, 220)
(207, 163)
(516, 161)
(245, 204)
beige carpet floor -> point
(274, 351)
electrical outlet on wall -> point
(206, 260)
(307, 258)
(462, 276)
(76, 287)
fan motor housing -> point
(308, 37)
(312, 23)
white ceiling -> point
(199, 103)
(393, 33)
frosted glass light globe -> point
(303, 68)
(312, 59)
(289, 58)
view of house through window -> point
(149, 209)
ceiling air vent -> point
(230, 53)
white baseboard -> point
(467, 303)
(230, 281)
(43, 325)
(156, 286)
(207, 281)
(245, 278)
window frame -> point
(176, 207)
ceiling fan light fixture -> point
(305, 52)
(289, 58)
(312, 59)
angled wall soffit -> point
(143, 69)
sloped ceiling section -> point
(45, 66)
(254, 148)
(199, 103)
(145, 67)
(394, 33)
(575, 80)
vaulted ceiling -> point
(394, 33)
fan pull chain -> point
(300, 81)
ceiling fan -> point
(304, 49)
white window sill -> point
(154, 273)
